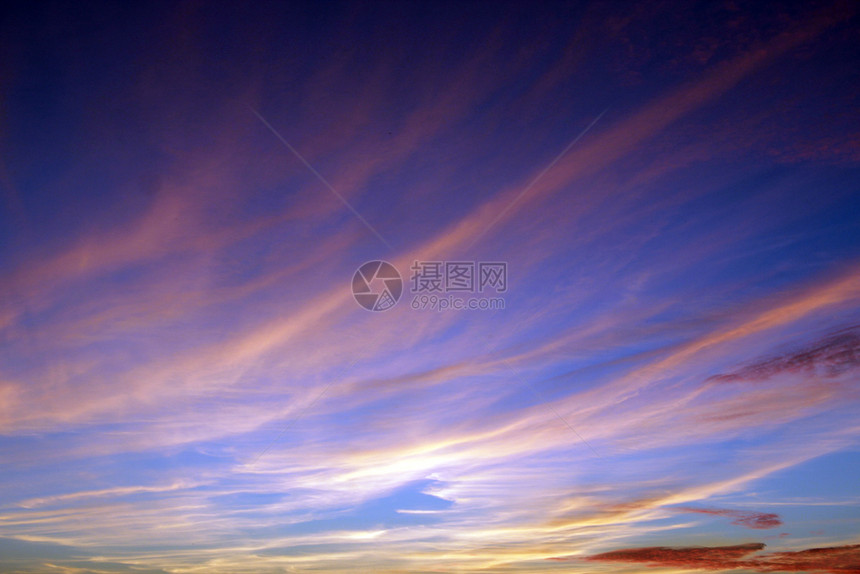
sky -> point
(616, 328)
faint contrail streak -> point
(322, 179)
(535, 180)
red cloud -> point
(716, 557)
(836, 559)
(749, 519)
(832, 560)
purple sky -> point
(668, 380)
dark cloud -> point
(829, 357)
(749, 519)
(831, 560)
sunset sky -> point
(668, 382)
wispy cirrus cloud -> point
(188, 385)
